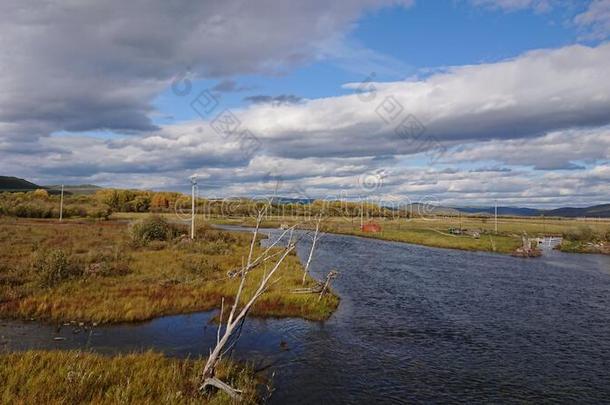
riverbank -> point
(461, 233)
(47, 377)
(92, 272)
(418, 233)
(602, 248)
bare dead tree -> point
(313, 247)
(226, 340)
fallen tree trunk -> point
(236, 317)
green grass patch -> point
(434, 230)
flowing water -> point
(415, 324)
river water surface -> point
(415, 324)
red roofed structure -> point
(371, 227)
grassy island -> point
(113, 271)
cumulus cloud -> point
(525, 97)
(567, 149)
(72, 69)
(595, 20)
(543, 110)
(229, 86)
(80, 66)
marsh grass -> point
(71, 377)
(586, 239)
(433, 231)
(428, 233)
(119, 282)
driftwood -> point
(329, 277)
(215, 382)
(320, 287)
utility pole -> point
(193, 186)
(361, 214)
(61, 204)
(496, 216)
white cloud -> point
(557, 150)
(80, 66)
(529, 96)
(595, 20)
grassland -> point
(434, 230)
(72, 377)
(94, 272)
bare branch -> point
(263, 256)
(236, 321)
(222, 307)
(215, 382)
(313, 247)
(331, 275)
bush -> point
(581, 234)
(100, 213)
(209, 234)
(200, 266)
(54, 266)
(103, 263)
(153, 228)
(38, 204)
(216, 247)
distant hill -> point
(16, 184)
(510, 211)
(82, 189)
(428, 209)
(601, 211)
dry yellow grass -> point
(74, 377)
(163, 278)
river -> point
(415, 324)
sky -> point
(452, 102)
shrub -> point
(583, 233)
(216, 247)
(200, 266)
(9, 276)
(209, 234)
(103, 263)
(100, 212)
(41, 194)
(153, 228)
(54, 266)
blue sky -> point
(511, 97)
(428, 36)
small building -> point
(371, 227)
